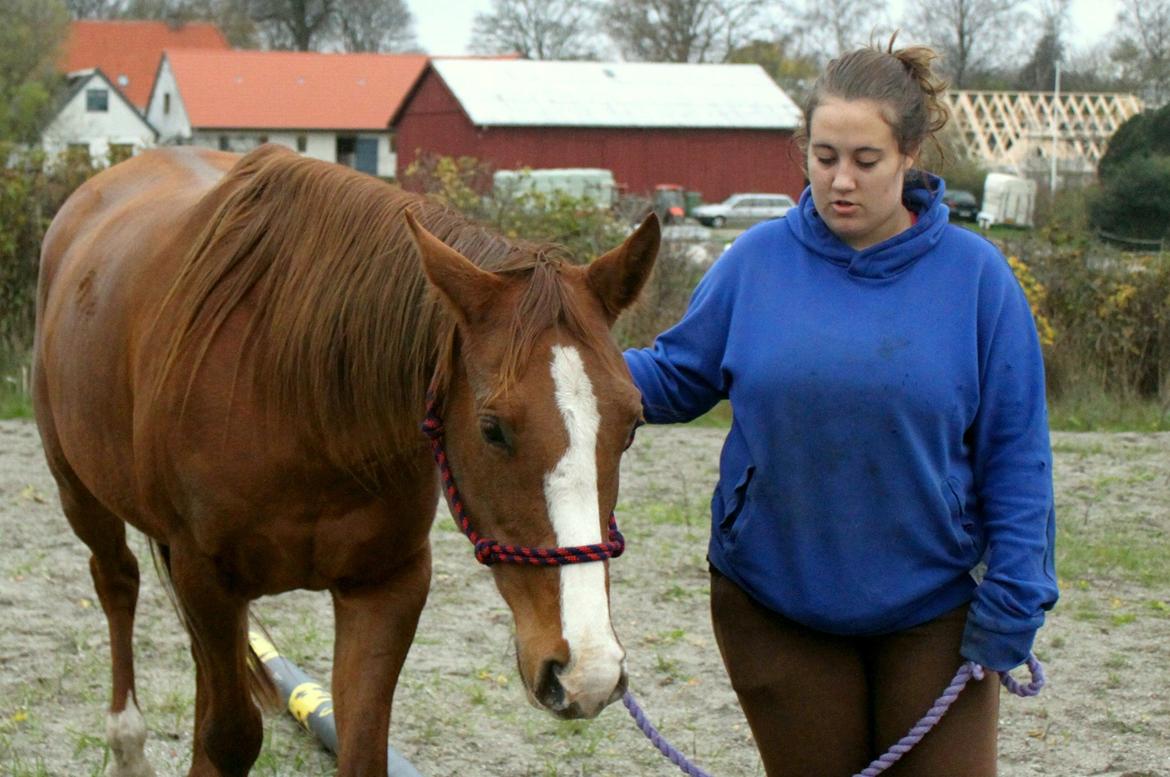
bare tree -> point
(376, 25)
(680, 30)
(1143, 46)
(827, 28)
(969, 34)
(794, 71)
(1039, 72)
(303, 25)
(537, 29)
(94, 9)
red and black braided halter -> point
(487, 550)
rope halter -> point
(489, 551)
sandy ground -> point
(460, 709)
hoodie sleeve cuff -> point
(994, 650)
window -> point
(120, 151)
(97, 100)
(302, 143)
(224, 143)
(346, 150)
(167, 102)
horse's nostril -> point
(620, 690)
(549, 690)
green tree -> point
(30, 40)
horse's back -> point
(106, 262)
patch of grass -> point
(666, 666)
(678, 593)
(718, 417)
(658, 514)
(1118, 554)
(1077, 411)
(93, 743)
(15, 405)
(584, 739)
(1077, 447)
(1084, 411)
(666, 637)
(15, 400)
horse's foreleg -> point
(228, 726)
(375, 625)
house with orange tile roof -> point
(97, 118)
(335, 107)
(128, 51)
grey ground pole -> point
(311, 703)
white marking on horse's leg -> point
(570, 489)
(126, 734)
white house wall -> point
(318, 145)
(74, 125)
(173, 125)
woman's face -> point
(856, 172)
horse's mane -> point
(345, 334)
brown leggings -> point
(821, 705)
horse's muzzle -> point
(551, 694)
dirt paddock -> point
(460, 709)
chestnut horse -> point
(233, 356)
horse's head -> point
(538, 408)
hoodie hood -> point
(922, 194)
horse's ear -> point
(467, 289)
(617, 277)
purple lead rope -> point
(967, 671)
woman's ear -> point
(910, 159)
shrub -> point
(1133, 200)
(1109, 314)
(664, 298)
(31, 190)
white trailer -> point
(1007, 199)
(578, 182)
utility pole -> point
(1055, 128)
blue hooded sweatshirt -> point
(889, 427)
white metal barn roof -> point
(621, 94)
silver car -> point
(743, 210)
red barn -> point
(716, 129)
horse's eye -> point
(492, 433)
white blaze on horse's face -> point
(596, 660)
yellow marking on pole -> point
(263, 649)
(309, 698)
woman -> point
(889, 434)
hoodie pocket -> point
(964, 526)
(956, 502)
(733, 503)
